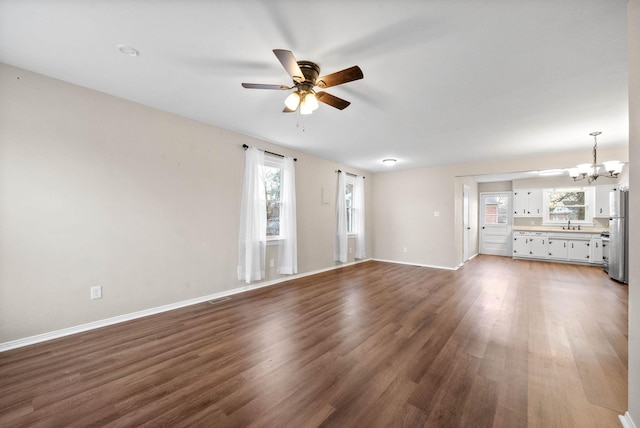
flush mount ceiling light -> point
(128, 50)
(389, 162)
(590, 171)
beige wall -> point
(95, 190)
(405, 204)
(633, 7)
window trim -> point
(589, 204)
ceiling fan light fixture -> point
(305, 109)
(292, 101)
(310, 101)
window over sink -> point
(561, 206)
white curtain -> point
(358, 219)
(253, 219)
(288, 249)
(340, 252)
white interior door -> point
(495, 223)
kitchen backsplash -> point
(537, 221)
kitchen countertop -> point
(558, 229)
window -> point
(349, 204)
(496, 209)
(573, 205)
(272, 186)
(267, 213)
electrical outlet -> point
(271, 263)
(96, 292)
(404, 250)
(436, 213)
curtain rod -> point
(244, 146)
(353, 175)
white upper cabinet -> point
(527, 203)
(602, 200)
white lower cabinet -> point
(579, 250)
(530, 244)
(597, 250)
(558, 248)
(520, 244)
(538, 246)
(567, 246)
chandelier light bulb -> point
(584, 168)
(611, 166)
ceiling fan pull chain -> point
(299, 120)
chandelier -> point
(591, 171)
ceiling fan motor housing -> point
(311, 71)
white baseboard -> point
(416, 264)
(19, 343)
(626, 421)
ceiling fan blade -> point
(340, 77)
(331, 100)
(263, 86)
(287, 110)
(290, 64)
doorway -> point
(495, 223)
(465, 223)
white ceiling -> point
(449, 81)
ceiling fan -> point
(305, 79)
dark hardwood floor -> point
(499, 342)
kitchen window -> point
(561, 206)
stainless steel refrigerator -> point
(618, 235)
